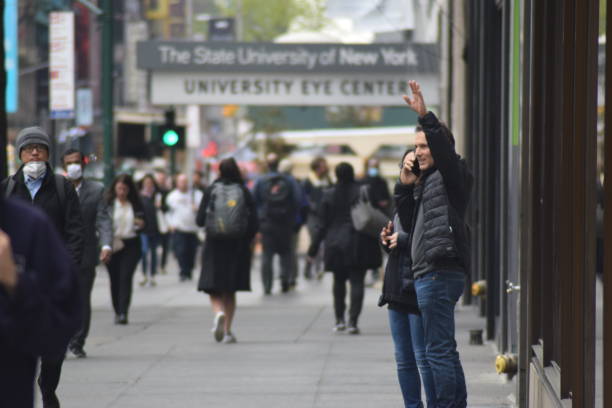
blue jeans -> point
(437, 294)
(407, 333)
(185, 248)
(149, 246)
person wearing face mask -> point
(98, 234)
(380, 196)
(36, 183)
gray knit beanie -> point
(32, 135)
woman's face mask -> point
(372, 172)
(35, 169)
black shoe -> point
(78, 351)
(285, 287)
(121, 319)
(352, 327)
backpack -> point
(59, 187)
(227, 214)
(279, 205)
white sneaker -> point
(218, 328)
(229, 338)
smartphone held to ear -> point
(416, 170)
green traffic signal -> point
(170, 137)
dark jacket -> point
(67, 220)
(345, 248)
(226, 263)
(150, 215)
(379, 191)
(44, 312)
(450, 182)
(97, 221)
(398, 291)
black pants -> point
(164, 240)
(121, 270)
(185, 247)
(50, 372)
(356, 277)
(86, 281)
(274, 242)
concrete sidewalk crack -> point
(309, 326)
(141, 375)
(323, 371)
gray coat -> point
(97, 220)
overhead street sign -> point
(190, 56)
(201, 73)
(171, 88)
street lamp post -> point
(107, 89)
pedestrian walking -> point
(379, 195)
(436, 200)
(183, 203)
(161, 179)
(285, 167)
(39, 300)
(150, 235)
(277, 199)
(317, 182)
(348, 253)
(228, 212)
(36, 183)
(198, 181)
(128, 220)
(405, 320)
(98, 238)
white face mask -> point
(74, 171)
(35, 169)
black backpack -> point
(279, 204)
(59, 186)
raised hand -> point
(416, 103)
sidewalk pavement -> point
(286, 356)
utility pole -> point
(3, 119)
(107, 89)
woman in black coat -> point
(348, 253)
(226, 261)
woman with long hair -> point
(228, 214)
(150, 235)
(348, 253)
(128, 219)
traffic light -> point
(172, 136)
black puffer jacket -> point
(67, 219)
(446, 191)
(345, 248)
